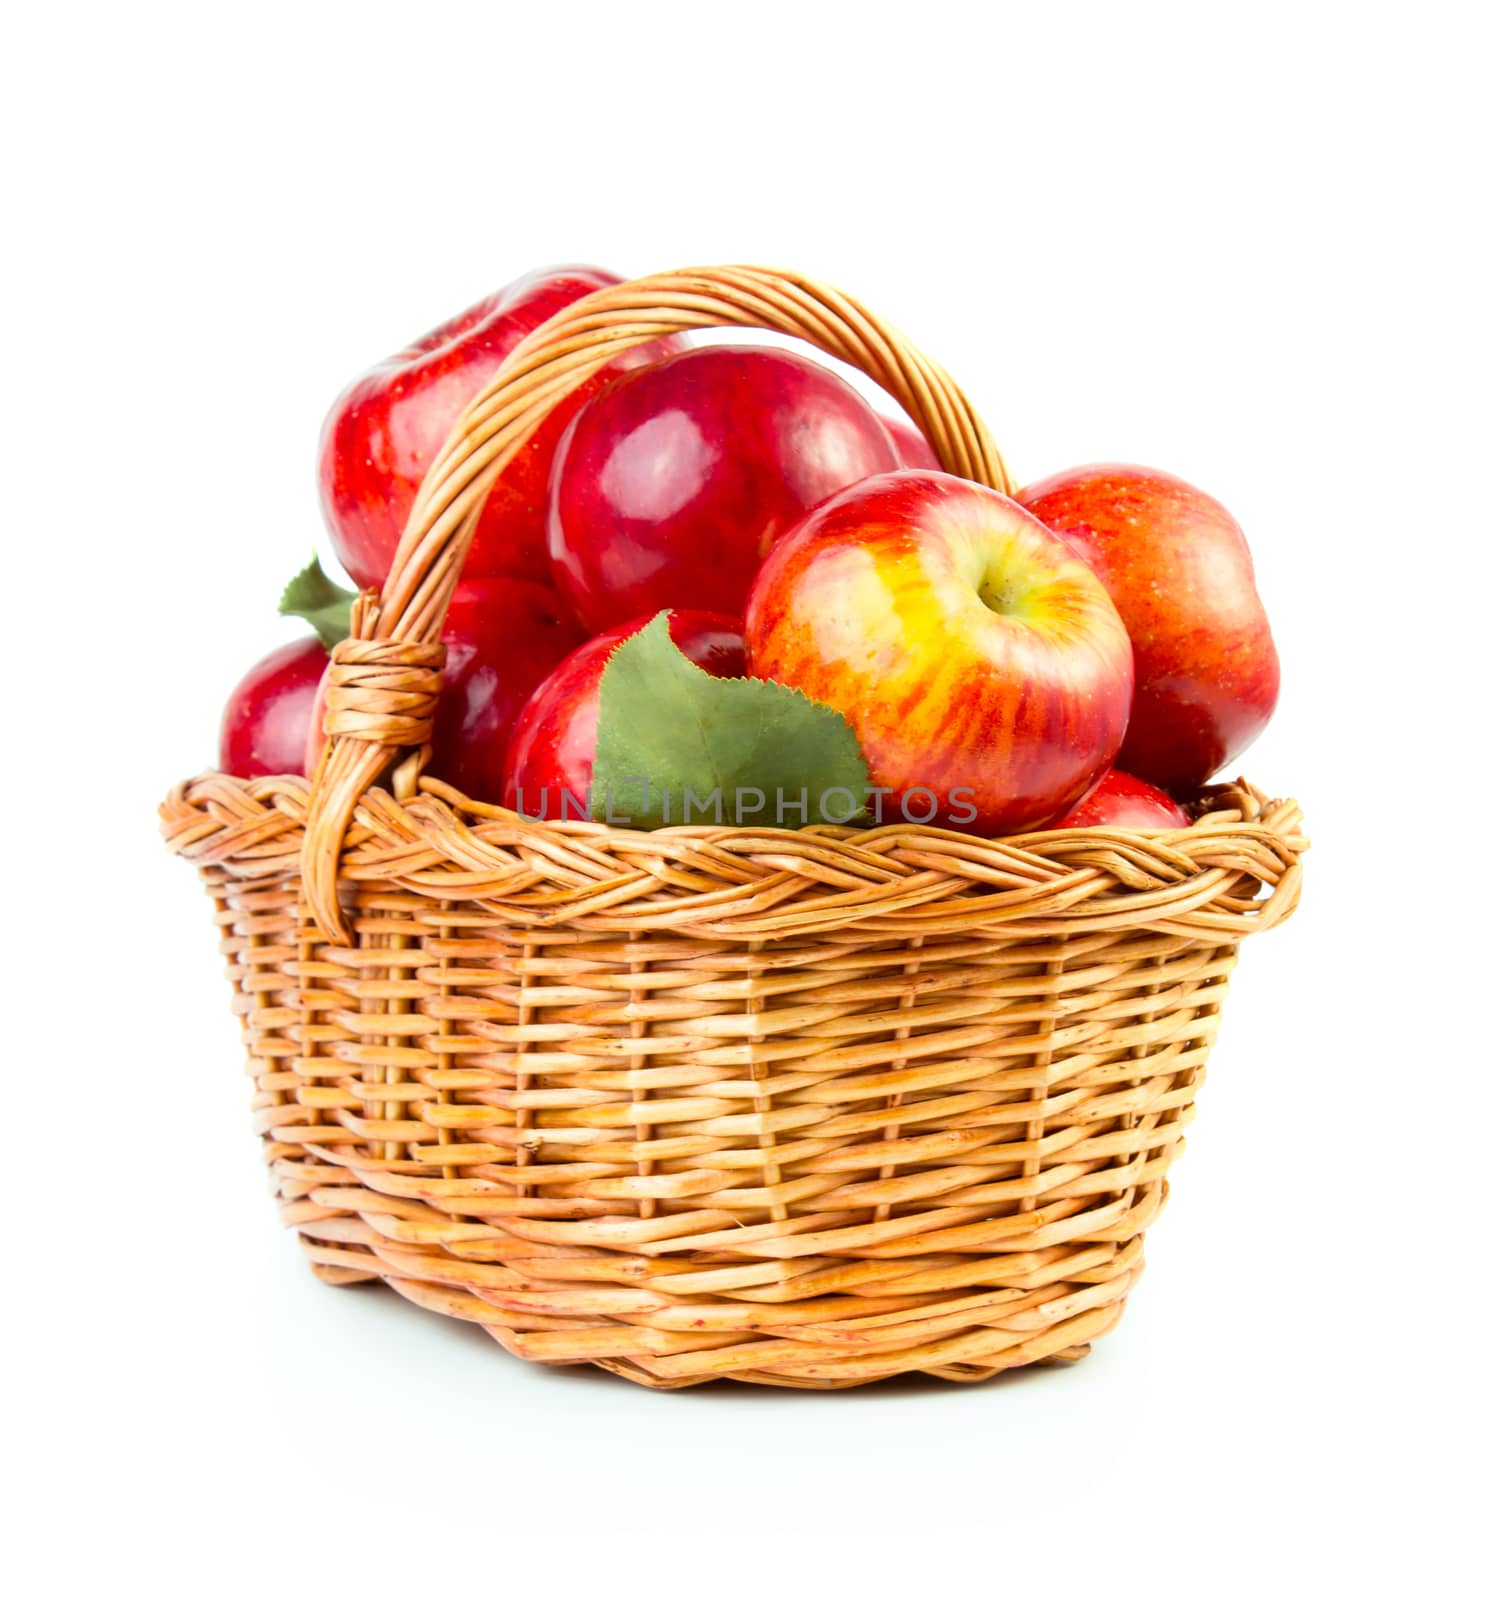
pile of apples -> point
(1088, 653)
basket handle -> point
(385, 679)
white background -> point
(1237, 242)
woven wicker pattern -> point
(801, 1108)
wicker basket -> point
(803, 1108)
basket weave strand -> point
(801, 1108)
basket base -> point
(965, 1375)
(341, 1277)
(1055, 1325)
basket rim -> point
(1234, 870)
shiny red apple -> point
(383, 432)
(503, 636)
(674, 482)
(1120, 801)
(549, 761)
(913, 450)
(1178, 568)
(268, 715)
(982, 666)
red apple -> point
(503, 636)
(1178, 568)
(549, 761)
(673, 483)
(913, 450)
(1119, 801)
(383, 432)
(268, 715)
(981, 665)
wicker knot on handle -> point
(557, 358)
(383, 691)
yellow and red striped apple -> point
(975, 656)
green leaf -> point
(677, 745)
(324, 605)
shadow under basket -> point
(808, 1108)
